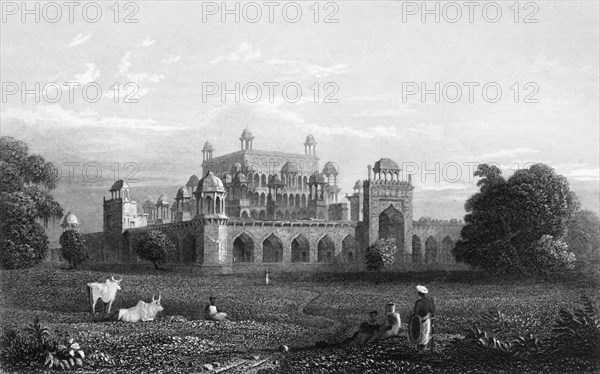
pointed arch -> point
(299, 185)
(391, 225)
(245, 215)
(218, 205)
(325, 249)
(285, 199)
(287, 216)
(263, 180)
(272, 249)
(262, 215)
(189, 249)
(304, 183)
(417, 254)
(431, 250)
(256, 180)
(291, 202)
(303, 200)
(447, 245)
(208, 205)
(243, 248)
(262, 199)
(349, 249)
(297, 200)
(300, 249)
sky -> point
(162, 78)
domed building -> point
(70, 222)
(254, 210)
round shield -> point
(414, 328)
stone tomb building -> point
(255, 210)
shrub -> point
(154, 246)
(577, 333)
(380, 255)
(73, 247)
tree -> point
(25, 202)
(506, 219)
(73, 247)
(380, 255)
(583, 239)
(154, 246)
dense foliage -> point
(380, 255)
(518, 224)
(583, 239)
(25, 201)
(73, 247)
(154, 246)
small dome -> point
(310, 140)
(289, 167)
(330, 169)
(227, 178)
(148, 204)
(182, 193)
(240, 178)
(358, 184)
(119, 185)
(210, 183)
(246, 135)
(316, 177)
(208, 147)
(385, 164)
(69, 220)
(237, 166)
(162, 200)
(193, 181)
(174, 205)
(275, 181)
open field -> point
(296, 310)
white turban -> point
(422, 289)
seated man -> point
(367, 329)
(211, 312)
(391, 324)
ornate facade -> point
(263, 209)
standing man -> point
(425, 309)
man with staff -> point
(420, 327)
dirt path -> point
(269, 358)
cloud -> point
(171, 59)
(156, 78)
(54, 116)
(147, 42)
(303, 69)
(397, 111)
(509, 153)
(245, 53)
(124, 63)
(79, 39)
(90, 74)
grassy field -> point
(296, 310)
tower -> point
(246, 139)
(182, 205)
(207, 152)
(356, 202)
(387, 206)
(310, 145)
(212, 231)
(317, 207)
(162, 210)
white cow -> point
(142, 311)
(106, 291)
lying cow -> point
(106, 291)
(141, 312)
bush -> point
(380, 255)
(577, 333)
(154, 246)
(34, 346)
(73, 247)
